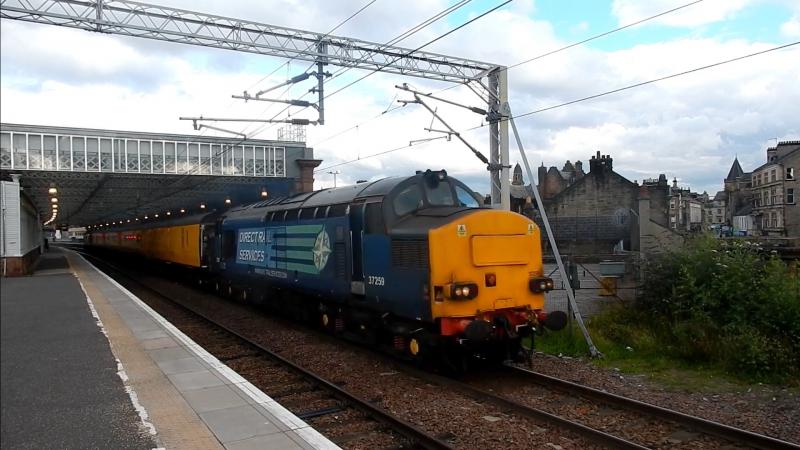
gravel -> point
(769, 410)
(464, 422)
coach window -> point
(337, 210)
(373, 219)
(228, 245)
(408, 200)
(307, 213)
(291, 215)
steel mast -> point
(130, 18)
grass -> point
(635, 350)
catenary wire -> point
(543, 55)
(231, 146)
(590, 97)
(342, 70)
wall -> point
(593, 214)
(20, 231)
(654, 237)
(792, 211)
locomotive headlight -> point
(539, 285)
(462, 291)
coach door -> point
(357, 248)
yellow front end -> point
(483, 248)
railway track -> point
(736, 436)
(627, 414)
(628, 423)
(298, 388)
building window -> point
(790, 196)
(774, 196)
(764, 198)
(790, 173)
(774, 220)
(772, 175)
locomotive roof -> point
(324, 197)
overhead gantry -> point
(175, 25)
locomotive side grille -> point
(410, 253)
(340, 259)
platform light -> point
(54, 200)
(145, 217)
(129, 220)
(52, 190)
(227, 200)
(202, 206)
(183, 210)
(264, 193)
(169, 213)
(155, 215)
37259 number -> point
(376, 281)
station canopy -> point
(100, 177)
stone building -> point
(716, 211)
(774, 191)
(598, 212)
(686, 208)
(552, 181)
(737, 190)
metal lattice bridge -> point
(104, 176)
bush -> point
(727, 302)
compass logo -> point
(321, 250)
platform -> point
(86, 364)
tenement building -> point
(775, 189)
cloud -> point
(628, 11)
(690, 127)
(791, 28)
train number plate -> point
(376, 281)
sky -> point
(690, 127)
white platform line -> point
(143, 416)
(313, 437)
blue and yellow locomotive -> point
(412, 262)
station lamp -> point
(169, 213)
(227, 200)
(52, 190)
(202, 206)
(183, 210)
(54, 200)
(145, 217)
(155, 215)
(264, 193)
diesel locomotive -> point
(414, 263)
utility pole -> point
(334, 173)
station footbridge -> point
(79, 177)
